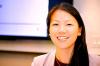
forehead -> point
(62, 15)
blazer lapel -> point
(50, 58)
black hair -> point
(80, 56)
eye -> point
(69, 24)
(55, 24)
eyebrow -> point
(60, 21)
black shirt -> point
(58, 63)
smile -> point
(62, 38)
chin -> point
(62, 46)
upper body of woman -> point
(66, 30)
(49, 60)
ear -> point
(80, 30)
(49, 34)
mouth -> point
(62, 38)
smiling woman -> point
(66, 29)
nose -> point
(62, 29)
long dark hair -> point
(80, 56)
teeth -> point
(62, 38)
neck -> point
(64, 55)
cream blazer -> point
(48, 60)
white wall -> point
(90, 12)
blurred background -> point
(20, 52)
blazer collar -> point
(50, 58)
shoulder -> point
(44, 59)
(94, 60)
(39, 60)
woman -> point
(67, 32)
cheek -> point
(74, 34)
(52, 30)
(72, 30)
(53, 33)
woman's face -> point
(64, 29)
